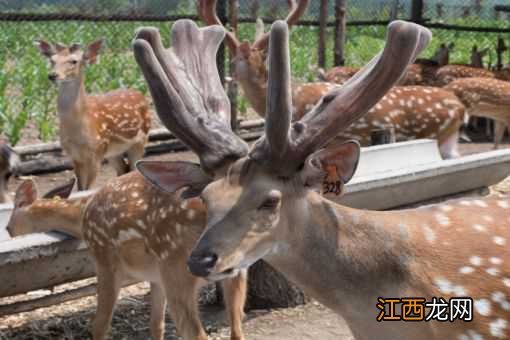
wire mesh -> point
(28, 98)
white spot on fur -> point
(479, 227)
(442, 219)
(500, 241)
(503, 204)
(496, 328)
(466, 270)
(475, 260)
(492, 271)
(430, 235)
(482, 307)
(496, 260)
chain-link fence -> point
(28, 99)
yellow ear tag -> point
(332, 183)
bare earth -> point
(70, 320)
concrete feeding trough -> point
(388, 176)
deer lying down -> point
(264, 204)
(133, 232)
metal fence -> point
(28, 99)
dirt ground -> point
(70, 320)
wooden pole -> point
(340, 31)
(323, 25)
(220, 57)
(417, 11)
(232, 85)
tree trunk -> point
(340, 31)
(267, 288)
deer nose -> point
(202, 264)
(52, 76)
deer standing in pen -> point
(421, 72)
(94, 127)
(264, 204)
(9, 162)
(416, 113)
(485, 97)
(133, 231)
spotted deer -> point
(94, 127)
(421, 72)
(265, 204)
(9, 163)
(414, 112)
(485, 97)
(249, 62)
(114, 222)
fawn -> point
(133, 232)
(94, 127)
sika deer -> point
(264, 205)
(95, 127)
(485, 97)
(126, 247)
(422, 72)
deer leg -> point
(234, 290)
(158, 306)
(135, 153)
(499, 132)
(119, 164)
(109, 283)
(181, 293)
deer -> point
(95, 127)
(485, 97)
(267, 202)
(421, 72)
(111, 222)
(9, 165)
(413, 113)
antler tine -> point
(207, 13)
(296, 11)
(187, 90)
(339, 108)
(279, 99)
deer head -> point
(442, 55)
(477, 56)
(250, 203)
(31, 213)
(249, 59)
(67, 62)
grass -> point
(26, 94)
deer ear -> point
(172, 176)
(26, 194)
(45, 48)
(93, 51)
(63, 191)
(334, 164)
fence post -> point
(340, 28)
(220, 57)
(323, 25)
(417, 11)
(232, 84)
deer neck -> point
(255, 90)
(60, 215)
(71, 100)
(341, 256)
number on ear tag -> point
(332, 183)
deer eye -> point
(73, 62)
(271, 202)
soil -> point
(70, 320)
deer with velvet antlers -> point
(95, 127)
(263, 203)
(418, 112)
(134, 232)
